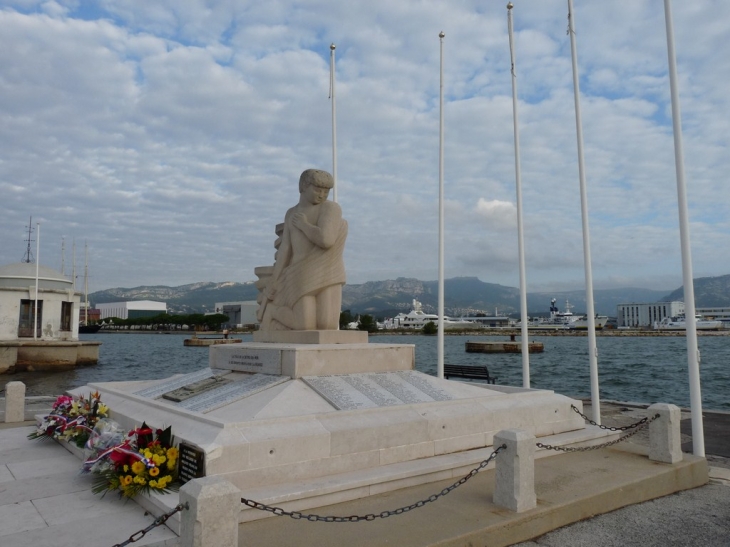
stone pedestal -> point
(514, 486)
(311, 337)
(14, 402)
(298, 360)
(665, 443)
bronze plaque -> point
(196, 388)
(191, 464)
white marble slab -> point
(157, 390)
(19, 517)
(375, 390)
(228, 393)
(247, 358)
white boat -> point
(417, 319)
(582, 322)
(679, 322)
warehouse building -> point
(131, 310)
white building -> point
(131, 310)
(58, 304)
(48, 339)
(239, 314)
(646, 314)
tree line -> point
(165, 321)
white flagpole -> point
(693, 353)
(440, 358)
(37, 262)
(520, 233)
(592, 348)
(334, 121)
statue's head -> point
(315, 177)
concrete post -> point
(664, 436)
(514, 485)
(212, 518)
(14, 402)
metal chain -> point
(609, 428)
(296, 515)
(157, 522)
(637, 427)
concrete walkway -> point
(44, 502)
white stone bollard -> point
(14, 402)
(212, 517)
(665, 443)
(514, 484)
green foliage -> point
(367, 323)
(345, 319)
(430, 328)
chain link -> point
(296, 515)
(609, 428)
(637, 427)
(159, 521)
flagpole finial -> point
(509, 5)
(441, 34)
(332, 46)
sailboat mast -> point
(86, 283)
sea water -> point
(639, 369)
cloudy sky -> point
(169, 136)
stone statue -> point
(304, 289)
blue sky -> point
(169, 136)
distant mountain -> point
(193, 298)
(463, 296)
(709, 292)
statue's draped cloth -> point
(319, 269)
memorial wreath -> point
(72, 419)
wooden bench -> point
(469, 371)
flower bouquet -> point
(144, 460)
(72, 419)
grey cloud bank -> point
(170, 137)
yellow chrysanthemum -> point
(147, 453)
(158, 459)
(172, 453)
(126, 480)
(125, 468)
(153, 483)
(154, 471)
(138, 467)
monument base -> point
(324, 430)
(298, 360)
(311, 336)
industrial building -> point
(636, 315)
(240, 314)
(131, 310)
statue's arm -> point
(283, 258)
(325, 233)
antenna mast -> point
(28, 256)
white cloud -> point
(171, 134)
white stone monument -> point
(307, 415)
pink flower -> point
(63, 400)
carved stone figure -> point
(304, 289)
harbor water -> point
(638, 369)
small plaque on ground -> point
(191, 462)
(231, 392)
(196, 388)
(377, 389)
(157, 390)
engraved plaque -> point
(244, 359)
(191, 462)
(378, 389)
(231, 392)
(196, 388)
(157, 390)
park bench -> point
(469, 371)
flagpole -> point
(693, 353)
(334, 121)
(520, 233)
(37, 262)
(590, 312)
(440, 351)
